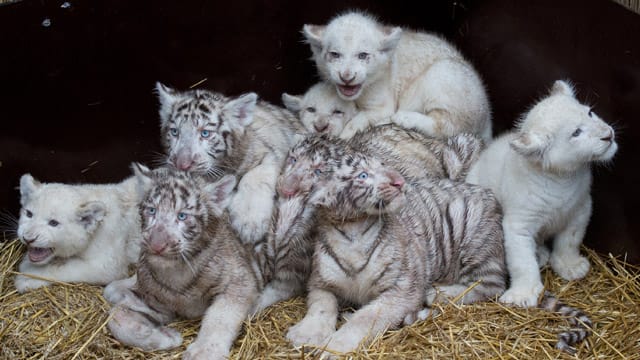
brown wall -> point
(79, 92)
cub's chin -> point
(391, 205)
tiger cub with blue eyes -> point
(208, 133)
(192, 265)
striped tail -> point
(580, 322)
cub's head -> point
(362, 185)
(177, 208)
(309, 164)
(320, 109)
(352, 51)
(56, 220)
(563, 135)
(200, 128)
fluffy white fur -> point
(77, 233)
(320, 109)
(541, 174)
(418, 79)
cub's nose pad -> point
(608, 137)
(347, 78)
(321, 127)
(29, 241)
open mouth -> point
(349, 90)
(37, 254)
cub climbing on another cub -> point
(414, 79)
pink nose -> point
(287, 192)
(396, 180)
(347, 78)
(184, 164)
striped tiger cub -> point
(378, 228)
(287, 258)
(191, 265)
(390, 246)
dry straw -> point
(68, 322)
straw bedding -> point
(68, 322)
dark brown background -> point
(76, 102)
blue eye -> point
(363, 56)
(317, 171)
(292, 160)
(577, 132)
(53, 223)
(363, 175)
(205, 134)
(182, 216)
(151, 210)
(173, 132)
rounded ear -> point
(220, 193)
(27, 187)
(529, 145)
(391, 38)
(167, 97)
(240, 110)
(292, 102)
(90, 214)
(562, 87)
(313, 35)
(143, 176)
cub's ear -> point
(240, 110)
(562, 87)
(27, 187)
(391, 37)
(313, 35)
(292, 102)
(220, 193)
(90, 214)
(530, 145)
(167, 97)
(144, 180)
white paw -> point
(417, 316)
(309, 332)
(542, 255)
(570, 268)
(349, 130)
(25, 283)
(205, 350)
(342, 342)
(250, 215)
(133, 328)
(524, 296)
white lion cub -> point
(77, 233)
(541, 174)
(320, 109)
(418, 79)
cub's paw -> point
(416, 316)
(309, 333)
(542, 255)
(133, 328)
(25, 283)
(342, 342)
(353, 126)
(570, 268)
(523, 296)
(204, 350)
(250, 216)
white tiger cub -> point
(541, 173)
(418, 79)
(208, 133)
(77, 233)
(320, 109)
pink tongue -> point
(39, 254)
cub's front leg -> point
(220, 326)
(319, 321)
(565, 258)
(520, 252)
(251, 207)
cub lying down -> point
(541, 173)
(192, 264)
(77, 233)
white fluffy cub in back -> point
(77, 233)
(320, 109)
(415, 79)
(541, 173)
